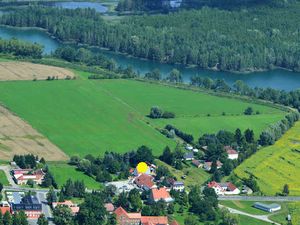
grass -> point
(3, 178)
(246, 220)
(196, 176)
(292, 208)
(276, 165)
(245, 206)
(62, 172)
(92, 116)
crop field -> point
(62, 172)
(276, 165)
(3, 179)
(92, 116)
(18, 137)
(10, 70)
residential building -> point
(144, 181)
(73, 207)
(207, 165)
(124, 218)
(109, 207)
(232, 154)
(267, 207)
(22, 176)
(4, 207)
(197, 163)
(158, 194)
(150, 171)
(188, 156)
(224, 188)
(178, 186)
(29, 204)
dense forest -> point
(20, 48)
(239, 40)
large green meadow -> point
(92, 116)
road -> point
(258, 217)
(261, 198)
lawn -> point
(276, 165)
(246, 220)
(92, 116)
(245, 206)
(3, 178)
(62, 172)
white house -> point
(178, 186)
(224, 188)
(232, 154)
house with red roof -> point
(232, 154)
(145, 181)
(109, 207)
(4, 207)
(125, 218)
(207, 165)
(74, 207)
(227, 188)
(158, 194)
(22, 176)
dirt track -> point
(30, 71)
(18, 137)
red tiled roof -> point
(231, 152)
(174, 222)
(196, 162)
(212, 184)
(120, 211)
(160, 193)
(4, 209)
(144, 180)
(231, 186)
(154, 220)
(109, 207)
(74, 208)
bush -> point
(248, 111)
(168, 115)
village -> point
(33, 201)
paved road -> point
(261, 198)
(258, 217)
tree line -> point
(20, 48)
(236, 40)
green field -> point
(87, 116)
(3, 178)
(246, 220)
(62, 172)
(276, 165)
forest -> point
(20, 48)
(239, 40)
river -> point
(279, 79)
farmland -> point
(3, 179)
(87, 116)
(276, 165)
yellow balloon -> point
(142, 167)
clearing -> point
(18, 137)
(276, 165)
(28, 71)
(92, 116)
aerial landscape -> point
(149, 112)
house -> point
(22, 176)
(188, 156)
(246, 190)
(197, 163)
(195, 150)
(144, 181)
(4, 207)
(189, 147)
(232, 154)
(158, 194)
(224, 188)
(154, 220)
(124, 218)
(150, 171)
(267, 207)
(109, 207)
(178, 186)
(29, 204)
(207, 165)
(74, 207)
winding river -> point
(280, 79)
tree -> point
(155, 112)
(49, 181)
(62, 215)
(42, 220)
(167, 156)
(249, 136)
(135, 200)
(285, 190)
(191, 220)
(51, 196)
(248, 111)
(7, 220)
(30, 183)
(174, 76)
(228, 218)
(238, 136)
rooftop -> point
(160, 193)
